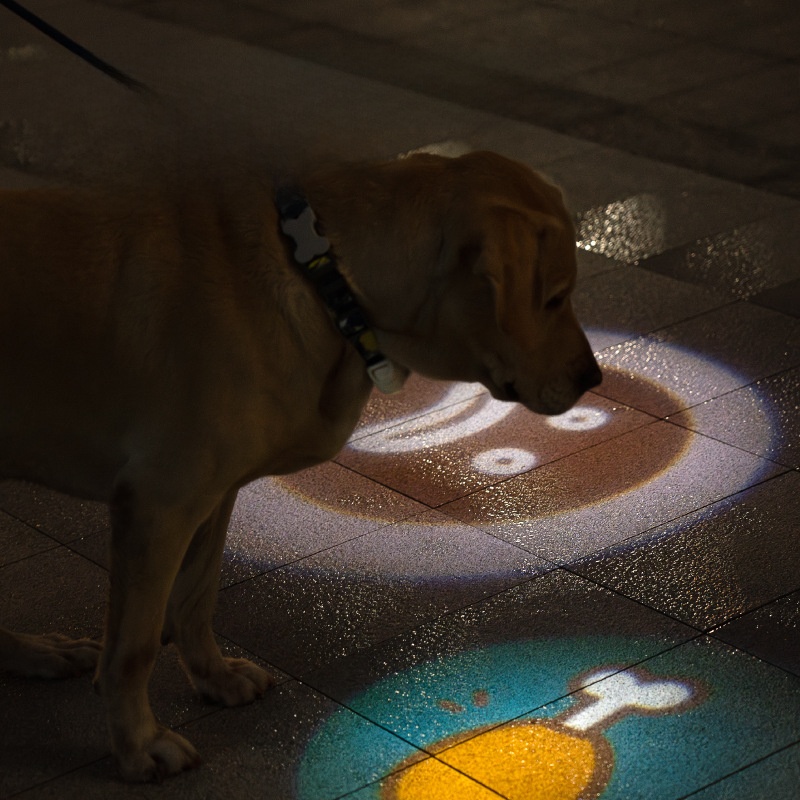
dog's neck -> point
(386, 223)
(315, 259)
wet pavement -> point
(470, 601)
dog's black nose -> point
(590, 377)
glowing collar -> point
(313, 255)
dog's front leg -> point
(149, 543)
(229, 681)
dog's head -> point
(499, 308)
(482, 254)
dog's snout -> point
(590, 377)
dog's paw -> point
(236, 682)
(165, 754)
(49, 656)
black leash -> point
(74, 47)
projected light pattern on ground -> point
(461, 411)
(457, 439)
(567, 717)
(485, 463)
(614, 732)
(566, 757)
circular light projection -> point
(658, 729)
(455, 440)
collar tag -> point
(386, 377)
(303, 232)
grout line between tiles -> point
(653, 420)
(740, 770)
(751, 654)
(613, 590)
(472, 778)
(49, 549)
(56, 778)
(784, 468)
(657, 331)
(28, 524)
(430, 620)
(609, 550)
(308, 555)
(391, 489)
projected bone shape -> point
(564, 758)
(619, 695)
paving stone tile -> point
(541, 42)
(250, 753)
(607, 494)
(368, 589)
(443, 449)
(59, 516)
(18, 541)
(742, 263)
(53, 591)
(664, 72)
(280, 520)
(768, 92)
(702, 358)
(776, 777)
(619, 304)
(424, 776)
(771, 632)
(696, 20)
(632, 208)
(495, 660)
(784, 298)
(771, 407)
(694, 733)
(716, 564)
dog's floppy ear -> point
(510, 253)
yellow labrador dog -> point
(159, 352)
